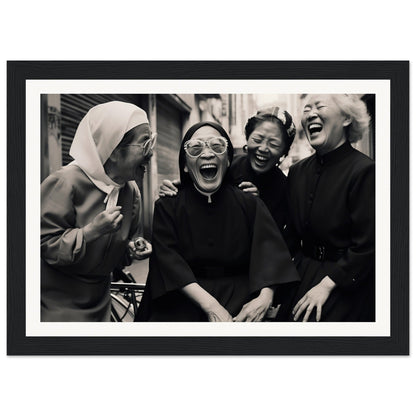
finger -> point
(298, 305)
(309, 310)
(251, 190)
(114, 209)
(318, 313)
(117, 221)
(176, 182)
(300, 310)
(240, 317)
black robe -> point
(332, 204)
(272, 187)
(230, 246)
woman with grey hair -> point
(332, 207)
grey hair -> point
(351, 105)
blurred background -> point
(170, 115)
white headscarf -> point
(98, 134)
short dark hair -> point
(261, 117)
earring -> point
(245, 148)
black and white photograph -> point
(208, 208)
(204, 209)
(238, 239)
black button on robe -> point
(231, 247)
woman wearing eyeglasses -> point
(269, 134)
(217, 253)
(90, 211)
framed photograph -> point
(46, 103)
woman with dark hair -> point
(269, 134)
(332, 205)
(217, 253)
(90, 210)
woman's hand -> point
(105, 222)
(169, 188)
(214, 310)
(255, 310)
(315, 297)
(249, 188)
(140, 248)
(218, 313)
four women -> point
(218, 255)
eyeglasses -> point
(195, 147)
(147, 146)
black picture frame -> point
(18, 72)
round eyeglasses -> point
(147, 146)
(195, 147)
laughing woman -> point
(269, 134)
(331, 201)
(90, 210)
(217, 253)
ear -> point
(228, 163)
(347, 121)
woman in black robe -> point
(269, 134)
(332, 205)
(217, 253)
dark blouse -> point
(272, 187)
(231, 247)
(332, 204)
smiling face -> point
(324, 123)
(208, 169)
(128, 160)
(265, 146)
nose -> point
(312, 114)
(207, 152)
(263, 146)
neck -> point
(111, 171)
(207, 194)
(325, 150)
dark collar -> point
(335, 155)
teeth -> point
(262, 158)
(314, 127)
(210, 166)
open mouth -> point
(208, 171)
(314, 128)
(260, 160)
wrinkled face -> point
(324, 123)
(265, 146)
(208, 169)
(131, 158)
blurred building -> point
(170, 115)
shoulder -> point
(361, 161)
(301, 164)
(65, 178)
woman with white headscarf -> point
(90, 210)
